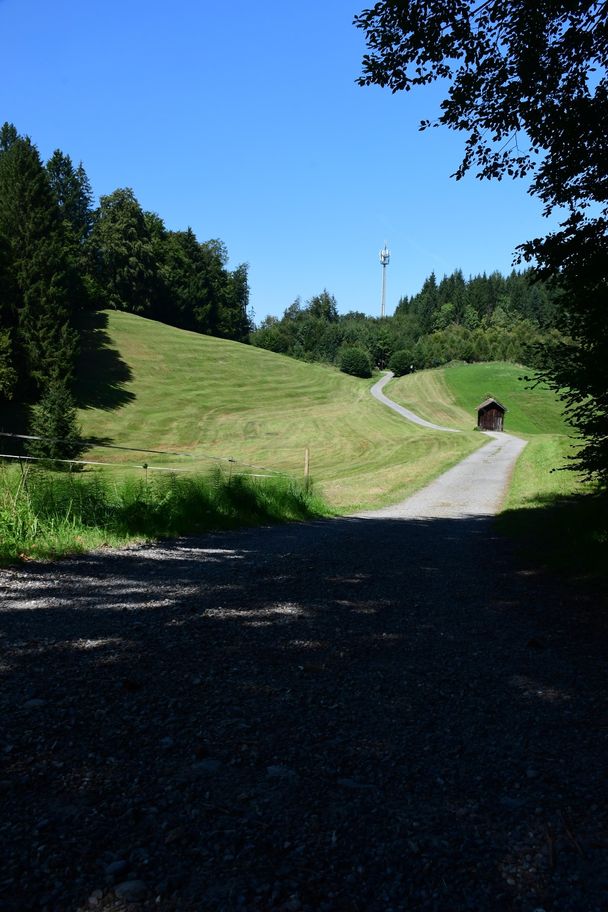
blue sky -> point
(244, 121)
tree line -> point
(60, 256)
(483, 318)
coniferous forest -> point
(61, 257)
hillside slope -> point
(168, 389)
(450, 395)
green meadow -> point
(213, 399)
(450, 396)
(234, 422)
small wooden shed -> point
(491, 415)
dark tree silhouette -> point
(526, 81)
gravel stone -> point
(131, 891)
(383, 657)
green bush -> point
(401, 362)
(356, 362)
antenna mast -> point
(385, 256)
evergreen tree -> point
(8, 136)
(125, 259)
(182, 264)
(233, 321)
(425, 304)
(73, 193)
(323, 307)
(37, 276)
(54, 420)
(211, 280)
(8, 374)
(74, 197)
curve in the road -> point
(377, 393)
(474, 487)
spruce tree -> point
(8, 374)
(38, 272)
(54, 420)
(73, 193)
(127, 268)
(233, 321)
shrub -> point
(401, 362)
(356, 362)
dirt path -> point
(377, 393)
(372, 714)
(474, 487)
(362, 714)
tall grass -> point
(48, 514)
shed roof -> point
(492, 401)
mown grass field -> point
(179, 391)
(450, 395)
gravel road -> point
(377, 393)
(369, 714)
(474, 487)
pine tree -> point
(54, 420)
(73, 193)
(38, 272)
(126, 264)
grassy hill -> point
(450, 396)
(144, 384)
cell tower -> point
(385, 256)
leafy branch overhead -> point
(527, 84)
(524, 80)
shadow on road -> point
(343, 715)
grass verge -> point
(46, 514)
(559, 520)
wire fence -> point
(145, 466)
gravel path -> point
(474, 487)
(372, 714)
(377, 393)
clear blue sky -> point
(243, 120)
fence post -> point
(306, 469)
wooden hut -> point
(490, 415)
